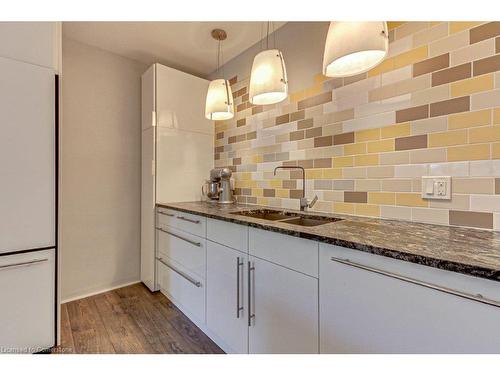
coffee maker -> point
(218, 188)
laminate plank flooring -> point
(129, 320)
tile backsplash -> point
(432, 107)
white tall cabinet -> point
(29, 63)
(177, 149)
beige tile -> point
(474, 185)
(487, 99)
(431, 125)
(472, 52)
(380, 172)
(397, 213)
(402, 185)
(334, 196)
(315, 100)
(409, 28)
(472, 85)
(356, 172)
(457, 202)
(471, 219)
(429, 35)
(394, 158)
(367, 210)
(343, 208)
(364, 160)
(367, 185)
(449, 138)
(431, 95)
(430, 215)
(450, 43)
(435, 155)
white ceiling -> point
(187, 46)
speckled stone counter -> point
(468, 251)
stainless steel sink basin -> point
(288, 217)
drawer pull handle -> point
(180, 237)
(179, 272)
(477, 297)
(29, 263)
(251, 268)
(187, 219)
(166, 213)
(238, 287)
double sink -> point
(288, 217)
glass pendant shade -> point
(268, 81)
(219, 104)
(354, 47)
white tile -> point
(395, 212)
(487, 99)
(473, 52)
(459, 169)
(411, 170)
(396, 75)
(496, 221)
(291, 204)
(485, 168)
(430, 215)
(375, 121)
(484, 202)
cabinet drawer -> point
(185, 289)
(182, 247)
(193, 224)
(292, 252)
(229, 234)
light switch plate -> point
(436, 187)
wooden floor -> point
(129, 320)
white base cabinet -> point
(366, 310)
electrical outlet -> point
(436, 187)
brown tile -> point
(323, 163)
(237, 161)
(306, 164)
(297, 135)
(240, 92)
(497, 185)
(281, 156)
(252, 200)
(231, 139)
(245, 98)
(295, 194)
(241, 122)
(482, 32)
(290, 163)
(241, 138)
(471, 219)
(233, 80)
(355, 196)
(356, 78)
(269, 192)
(344, 138)
(305, 124)
(413, 113)
(431, 65)
(296, 116)
(219, 149)
(269, 157)
(314, 132)
(315, 100)
(283, 119)
(487, 65)
(445, 107)
(220, 135)
(289, 184)
(296, 174)
(217, 157)
(451, 74)
(257, 109)
(323, 141)
(252, 135)
(241, 107)
(497, 45)
(411, 143)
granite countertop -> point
(468, 251)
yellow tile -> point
(456, 137)
(332, 173)
(367, 135)
(410, 199)
(484, 134)
(257, 159)
(381, 146)
(312, 174)
(394, 131)
(472, 85)
(469, 119)
(386, 66)
(393, 24)
(282, 193)
(496, 116)
(275, 183)
(360, 160)
(410, 57)
(319, 78)
(262, 201)
(343, 161)
(381, 198)
(367, 210)
(455, 27)
(495, 151)
(471, 152)
(343, 208)
(355, 149)
(246, 176)
(257, 192)
(252, 183)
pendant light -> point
(354, 47)
(219, 103)
(268, 81)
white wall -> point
(100, 165)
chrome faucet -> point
(304, 203)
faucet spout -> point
(303, 201)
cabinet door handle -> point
(187, 219)
(21, 264)
(477, 297)
(180, 237)
(238, 287)
(251, 269)
(165, 213)
(179, 272)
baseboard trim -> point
(89, 294)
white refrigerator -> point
(177, 149)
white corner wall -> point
(100, 168)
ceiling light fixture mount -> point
(219, 34)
